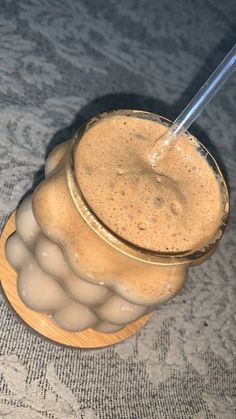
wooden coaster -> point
(41, 322)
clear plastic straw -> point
(197, 104)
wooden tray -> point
(41, 322)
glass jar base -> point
(42, 323)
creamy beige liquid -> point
(175, 208)
(68, 271)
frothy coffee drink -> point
(175, 208)
(104, 238)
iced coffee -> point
(107, 237)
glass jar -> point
(107, 282)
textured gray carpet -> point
(62, 62)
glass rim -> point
(112, 238)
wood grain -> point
(44, 324)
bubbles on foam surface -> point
(142, 225)
(158, 202)
(176, 208)
(120, 171)
(172, 183)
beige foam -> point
(175, 208)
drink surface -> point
(176, 207)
